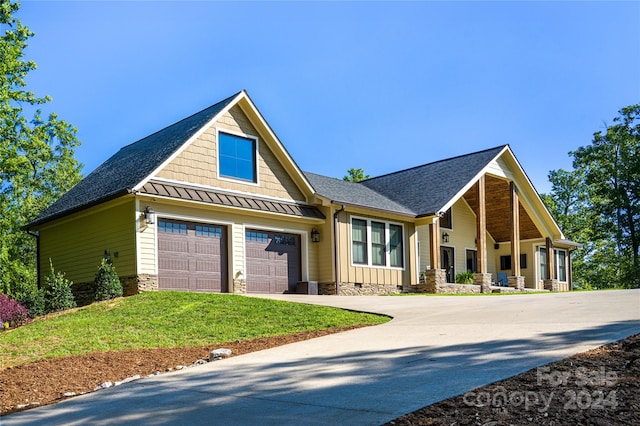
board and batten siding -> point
(76, 244)
(198, 164)
(236, 223)
(377, 275)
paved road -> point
(434, 348)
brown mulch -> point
(598, 387)
(45, 382)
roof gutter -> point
(360, 206)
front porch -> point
(492, 231)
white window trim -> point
(556, 265)
(369, 246)
(257, 155)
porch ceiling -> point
(498, 211)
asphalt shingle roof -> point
(130, 165)
(355, 194)
(426, 189)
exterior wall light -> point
(445, 237)
(149, 215)
(315, 235)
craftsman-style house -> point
(215, 203)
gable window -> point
(375, 243)
(237, 157)
(446, 221)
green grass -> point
(167, 319)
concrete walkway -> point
(434, 348)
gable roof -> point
(339, 191)
(427, 189)
(130, 165)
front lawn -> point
(167, 319)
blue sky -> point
(381, 86)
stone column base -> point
(484, 281)
(239, 286)
(434, 279)
(327, 289)
(516, 282)
(551, 285)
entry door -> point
(448, 262)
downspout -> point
(37, 237)
(336, 246)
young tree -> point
(355, 175)
(37, 163)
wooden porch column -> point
(434, 244)
(481, 225)
(551, 267)
(515, 230)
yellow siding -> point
(76, 244)
(371, 274)
(197, 164)
(235, 224)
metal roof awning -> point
(219, 198)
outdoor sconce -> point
(149, 215)
(315, 235)
(445, 237)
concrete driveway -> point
(434, 348)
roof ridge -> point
(434, 162)
(227, 99)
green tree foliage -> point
(37, 163)
(611, 165)
(598, 204)
(355, 175)
(107, 283)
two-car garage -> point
(195, 257)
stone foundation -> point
(367, 289)
(516, 282)
(84, 293)
(138, 283)
(484, 281)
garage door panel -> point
(191, 256)
(272, 261)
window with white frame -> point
(561, 265)
(237, 157)
(377, 243)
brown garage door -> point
(191, 256)
(273, 261)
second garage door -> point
(273, 261)
(191, 256)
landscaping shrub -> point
(34, 301)
(58, 295)
(107, 283)
(464, 278)
(12, 313)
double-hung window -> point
(237, 157)
(376, 243)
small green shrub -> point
(465, 278)
(12, 313)
(58, 295)
(107, 283)
(34, 301)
